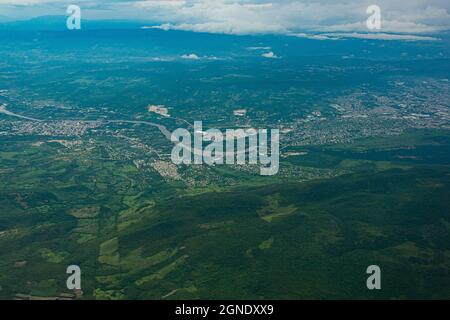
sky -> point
(405, 18)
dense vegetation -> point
(291, 240)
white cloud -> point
(257, 16)
(24, 2)
(154, 4)
(379, 36)
(240, 17)
(313, 36)
(257, 5)
(387, 26)
(191, 56)
(240, 28)
(369, 36)
(258, 48)
(269, 55)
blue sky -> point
(411, 17)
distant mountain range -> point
(59, 23)
(4, 19)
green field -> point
(135, 235)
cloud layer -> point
(254, 16)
